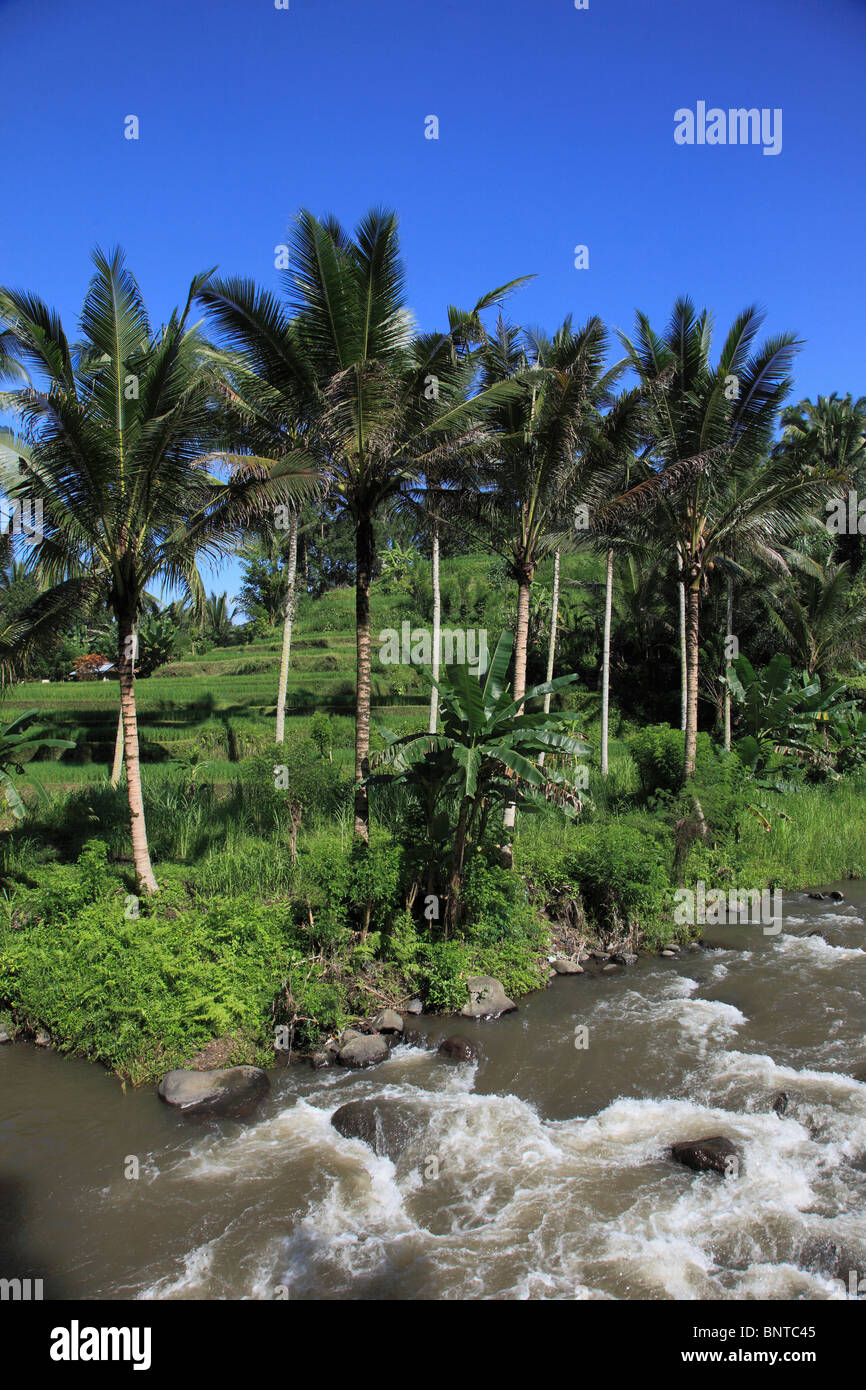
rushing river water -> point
(538, 1172)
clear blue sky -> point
(555, 129)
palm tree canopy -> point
(114, 440)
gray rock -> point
(567, 967)
(836, 896)
(385, 1125)
(4, 1038)
(349, 1035)
(388, 1021)
(606, 968)
(487, 998)
(232, 1091)
(624, 958)
(714, 1155)
(414, 1007)
(363, 1051)
(43, 1039)
(458, 1049)
(780, 1103)
(600, 955)
(670, 954)
(320, 1059)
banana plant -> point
(17, 746)
(784, 714)
(486, 754)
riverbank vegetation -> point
(239, 820)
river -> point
(538, 1172)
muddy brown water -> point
(540, 1172)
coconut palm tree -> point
(340, 366)
(218, 617)
(552, 442)
(820, 618)
(112, 442)
(707, 479)
(827, 439)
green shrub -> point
(621, 871)
(144, 995)
(658, 750)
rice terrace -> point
(433, 670)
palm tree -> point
(819, 617)
(827, 440)
(341, 367)
(707, 479)
(218, 617)
(549, 442)
(112, 443)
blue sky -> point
(555, 129)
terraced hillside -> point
(220, 704)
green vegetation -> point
(284, 831)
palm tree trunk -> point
(140, 853)
(551, 650)
(288, 619)
(693, 609)
(437, 627)
(118, 750)
(729, 625)
(364, 549)
(684, 691)
(605, 663)
(521, 642)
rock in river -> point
(487, 998)
(458, 1049)
(383, 1124)
(232, 1091)
(714, 1155)
(363, 1051)
(388, 1021)
(567, 967)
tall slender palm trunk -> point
(364, 550)
(551, 649)
(521, 642)
(605, 664)
(140, 853)
(437, 627)
(693, 608)
(729, 624)
(684, 687)
(288, 619)
(118, 750)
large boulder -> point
(487, 998)
(233, 1091)
(458, 1049)
(714, 1155)
(364, 1050)
(388, 1021)
(566, 967)
(385, 1125)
